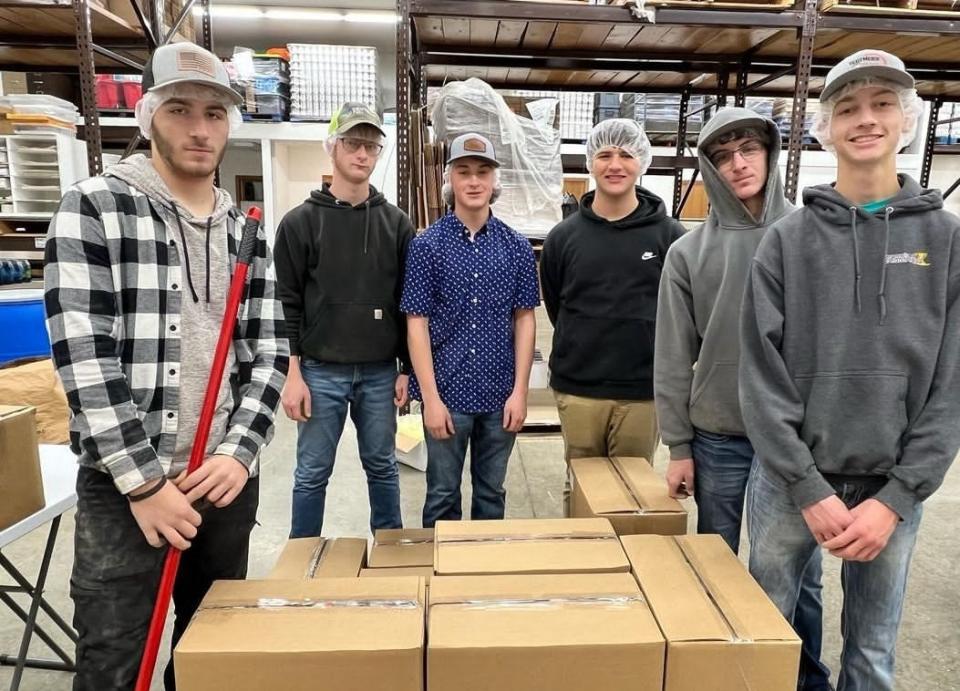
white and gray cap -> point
(472, 145)
(865, 64)
(179, 63)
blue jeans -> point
(721, 469)
(490, 447)
(780, 547)
(369, 391)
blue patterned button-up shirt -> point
(469, 290)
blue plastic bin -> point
(23, 333)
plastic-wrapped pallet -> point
(324, 77)
(529, 152)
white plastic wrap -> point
(531, 172)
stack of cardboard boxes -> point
(595, 602)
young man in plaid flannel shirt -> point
(138, 268)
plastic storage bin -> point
(23, 326)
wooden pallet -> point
(896, 8)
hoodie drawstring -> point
(186, 252)
(883, 270)
(209, 221)
(366, 226)
(856, 257)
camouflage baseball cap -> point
(353, 114)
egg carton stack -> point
(660, 113)
(324, 77)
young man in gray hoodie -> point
(698, 342)
(138, 265)
(849, 386)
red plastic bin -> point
(131, 93)
(109, 92)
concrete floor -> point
(929, 648)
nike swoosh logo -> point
(647, 255)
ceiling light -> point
(372, 17)
(303, 15)
(232, 11)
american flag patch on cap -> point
(195, 61)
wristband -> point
(150, 492)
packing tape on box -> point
(606, 601)
(310, 603)
(532, 537)
(319, 552)
(404, 541)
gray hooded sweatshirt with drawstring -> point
(701, 291)
(202, 243)
(850, 338)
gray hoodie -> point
(202, 243)
(701, 290)
(850, 364)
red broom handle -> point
(248, 243)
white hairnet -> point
(910, 103)
(620, 133)
(151, 101)
(446, 192)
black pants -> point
(116, 575)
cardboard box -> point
(321, 557)
(723, 633)
(332, 634)
(396, 548)
(424, 572)
(629, 493)
(21, 484)
(542, 633)
(37, 384)
(571, 545)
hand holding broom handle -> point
(248, 244)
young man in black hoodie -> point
(340, 257)
(850, 366)
(600, 275)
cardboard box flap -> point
(608, 494)
(524, 530)
(320, 557)
(577, 545)
(645, 485)
(506, 589)
(308, 615)
(535, 611)
(407, 547)
(425, 572)
(746, 608)
(9, 411)
(679, 601)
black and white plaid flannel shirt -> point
(113, 285)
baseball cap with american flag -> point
(178, 63)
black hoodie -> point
(340, 276)
(600, 281)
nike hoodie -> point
(340, 276)
(850, 346)
(701, 291)
(600, 280)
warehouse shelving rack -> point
(74, 36)
(689, 48)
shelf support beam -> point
(927, 161)
(804, 62)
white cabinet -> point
(34, 171)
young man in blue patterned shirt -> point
(469, 294)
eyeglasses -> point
(352, 145)
(748, 151)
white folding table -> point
(59, 469)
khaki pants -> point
(599, 427)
